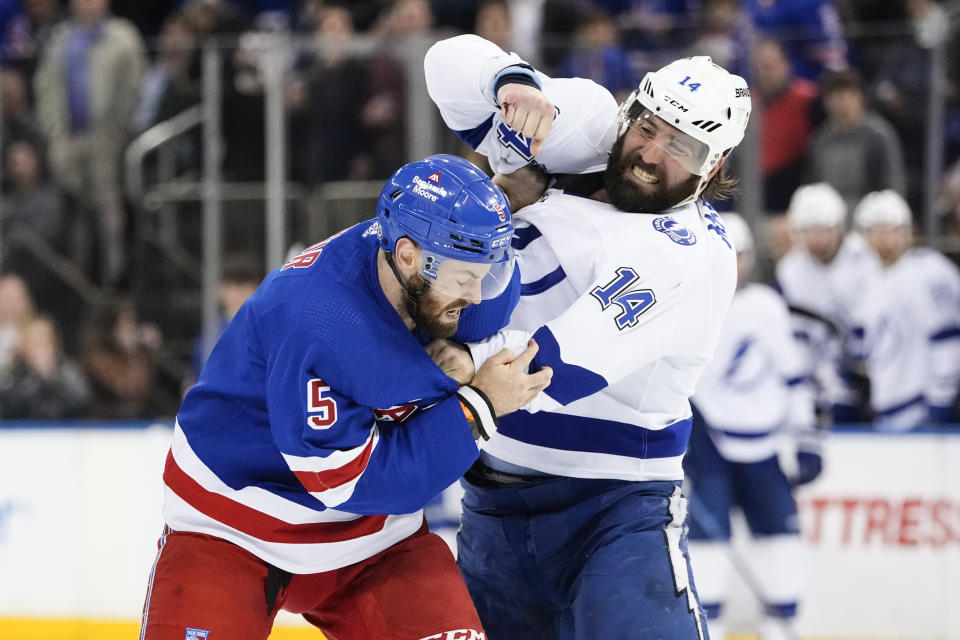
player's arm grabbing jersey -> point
(462, 74)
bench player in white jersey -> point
(824, 278)
(753, 395)
(578, 505)
(911, 321)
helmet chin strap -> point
(704, 179)
(411, 296)
(696, 192)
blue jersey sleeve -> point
(362, 416)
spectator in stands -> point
(43, 384)
(911, 321)
(16, 311)
(655, 31)
(28, 32)
(168, 86)
(855, 150)
(598, 56)
(18, 123)
(810, 30)
(33, 202)
(329, 121)
(824, 279)
(239, 279)
(949, 203)
(726, 35)
(119, 356)
(86, 89)
(785, 102)
(384, 109)
(901, 83)
(9, 12)
(493, 22)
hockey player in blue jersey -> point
(753, 402)
(319, 427)
(576, 501)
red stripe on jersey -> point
(322, 480)
(258, 524)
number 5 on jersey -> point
(632, 303)
(324, 407)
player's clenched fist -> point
(506, 383)
(527, 110)
(453, 358)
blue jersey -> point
(319, 426)
(810, 30)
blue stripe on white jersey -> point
(475, 136)
(569, 381)
(544, 283)
(523, 236)
(594, 435)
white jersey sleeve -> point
(461, 73)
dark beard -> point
(626, 196)
(426, 314)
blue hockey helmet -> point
(456, 215)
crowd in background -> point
(840, 86)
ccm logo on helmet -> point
(674, 103)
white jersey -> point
(911, 322)
(824, 298)
(461, 73)
(626, 309)
(756, 387)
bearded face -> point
(638, 186)
(436, 314)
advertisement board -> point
(80, 516)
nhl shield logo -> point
(196, 634)
(674, 230)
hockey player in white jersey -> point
(578, 505)
(824, 279)
(752, 397)
(911, 321)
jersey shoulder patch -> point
(674, 230)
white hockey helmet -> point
(702, 100)
(739, 231)
(816, 205)
(885, 207)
